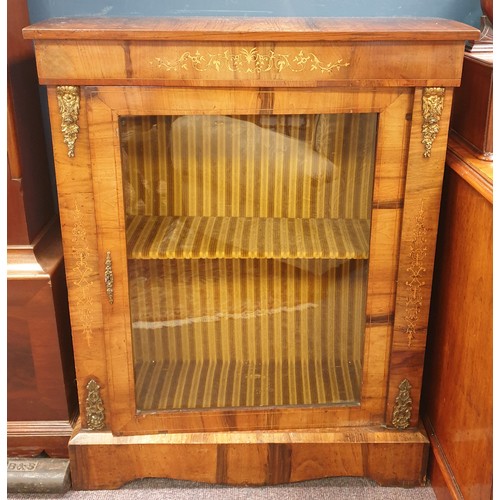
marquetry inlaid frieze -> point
(81, 272)
(250, 61)
(416, 271)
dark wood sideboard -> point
(458, 376)
(41, 389)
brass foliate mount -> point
(401, 414)
(68, 100)
(108, 277)
(94, 407)
(432, 108)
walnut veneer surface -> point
(264, 362)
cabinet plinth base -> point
(100, 460)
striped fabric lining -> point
(211, 384)
(248, 314)
(156, 237)
(230, 222)
(292, 166)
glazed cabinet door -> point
(248, 242)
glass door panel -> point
(248, 245)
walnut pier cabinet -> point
(249, 212)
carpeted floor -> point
(166, 489)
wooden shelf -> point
(163, 237)
(164, 385)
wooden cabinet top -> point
(250, 52)
(255, 29)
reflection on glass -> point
(248, 243)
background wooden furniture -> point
(41, 391)
(103, 73)
(472, 114)
(458, 382)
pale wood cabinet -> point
(249, 212)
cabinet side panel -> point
(74, 186)
(416, 260)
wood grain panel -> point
(271, 64)
(390, 458)
(139, 101)
(75, 196)
(472, 114)
(30, 199)
(477, 173)
(142, 52)
(460, 362)
(261, 28)
(418, 238)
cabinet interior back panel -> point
(248, 239)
